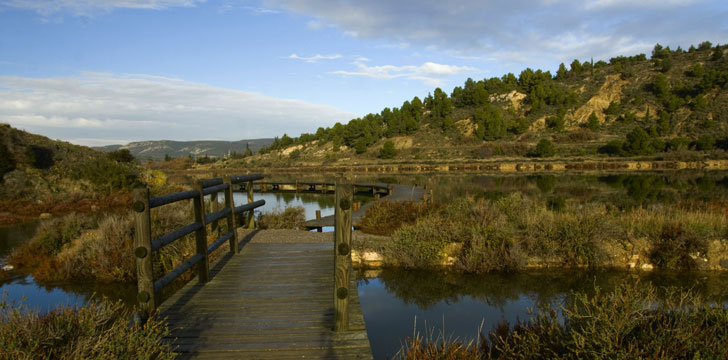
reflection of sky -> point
(26, 292)
(390, 320)
(278, 202)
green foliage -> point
(106, 174)
(440, 107)
(519, 126)
(360, 146)
(545, 148)
(7, 163)
(638, 142)
(555, 122)
(613, 147)
(593, 122)
(490, 123)
(387, 151)
(121, 155)
(420, 245)
(100, 330)
(679, 143)
(661, 87)
(705, 142)
(39, 157)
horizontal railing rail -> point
(148, 288)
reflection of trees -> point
(426, 288)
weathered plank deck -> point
(273, 300)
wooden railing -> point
(144, 246)
(342, 249)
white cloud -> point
(315, 58)
(103, 107)
(524, 31)
(91, 7)
(431, 73)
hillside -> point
(160, 149)
(40, 175)
(672, 104)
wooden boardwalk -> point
(273, 300)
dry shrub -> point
(96, 331)
(385, 217)
(289, 218)
(104, 254)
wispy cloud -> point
(430, 73)
(529, 31)
(92, 7)
(315, 58)
(106, 107)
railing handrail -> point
(148, 288)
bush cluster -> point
(288, 218)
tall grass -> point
(288, 218)
(629, 322)
(96, 331)
(513, 232)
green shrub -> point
(54, 233)
(107, 174)
(387, 151)
(545, 148)
(421, 244)
(124, 155)
(39, 157)
(7, 164)
(705, 143)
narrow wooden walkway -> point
(273, 300)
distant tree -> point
(576, 67)
(247, 151)
(121, 155)
(705, 45)
(555, 122)
(705, 143)
(545, 148)
(593, 122)
(661, 87)
(561, 73)
(285, 141)
(613, 108)
(519, 126)
(490, 123)
(360, 146)
(167, 157)
(638, 142)
(679, 143)
(441, 108)
(387, 151)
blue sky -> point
(98, 72)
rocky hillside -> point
(161, 149)
(670, 104)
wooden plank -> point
(143, 251)
(342, 250)
(269, 301)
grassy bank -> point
(630, 322)
(96, 331)
(514, 232)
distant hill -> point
(672, 103)
(158, 149)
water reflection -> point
(461, 303)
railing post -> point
(231, 223)
(342, 252)
(251, 214)
(203, 267)
(143, 251)
(214, 206)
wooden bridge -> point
(275, 298)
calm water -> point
(459, 305)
